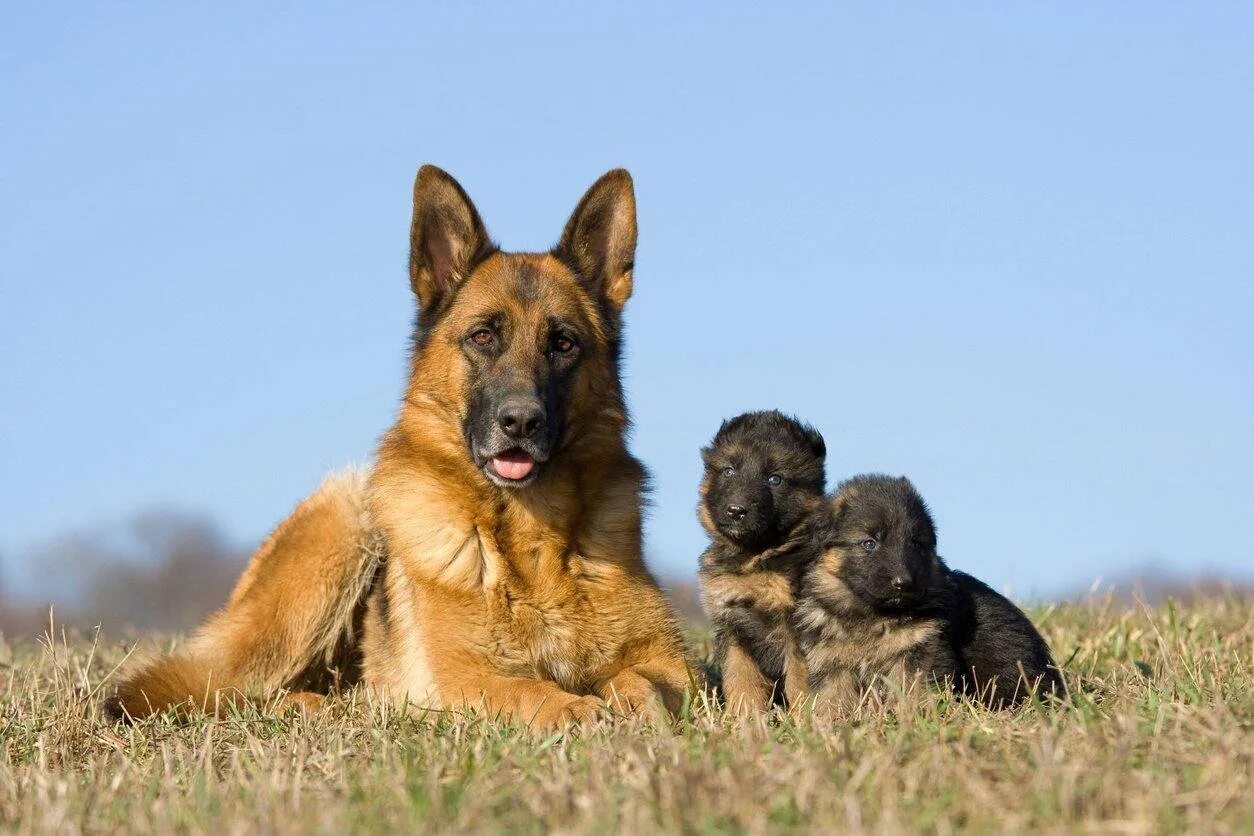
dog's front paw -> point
(302, 702)
(581, 711)
(632, 694)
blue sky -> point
(1006, 250)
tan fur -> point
(745, 688)
(769, 593)
(796, 671)
(532, 603)
(847, 654)
(518, 606)
(764, 584)
(284, 626)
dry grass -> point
(1158, 739)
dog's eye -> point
(563, 345)
(483, 337)
(869, 544)
(729, 471)
(775, 480)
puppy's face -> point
(879, 545)
(761, 479)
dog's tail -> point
(293, 620)
(170, 681)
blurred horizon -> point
(1006, 251)
(164, 571)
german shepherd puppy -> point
(880, 602)
(492, 555)
(764, 475)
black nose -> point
(903, 583)
(521, 417)
(736, 512)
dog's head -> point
(878, 545)
(764, 472)
(521, 349)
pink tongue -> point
(514, 465)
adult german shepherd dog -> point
(491, 558)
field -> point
(1158, 739)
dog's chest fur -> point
(756, 606)
(754, 598)
(548, 629)
(865, 644)
(535, 591)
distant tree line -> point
(166, 570)
(161, 570)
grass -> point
(1158, 739)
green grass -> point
(1158, 739)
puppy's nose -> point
(521, 418)
(903, 583)
(736, 512)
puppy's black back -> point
(996, 646)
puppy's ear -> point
(815, 439)
(916, 499)
(708, 450)
(446, 238)
(599, 241)
(823, 521)
(842, 503)
(910, 489)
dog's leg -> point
(287, 621)
(630, 692)
(306, 702)
(745, 688)
(796, 672)
(536, 703)
(651, 687)
(835, 692)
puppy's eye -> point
(563, 344)
(775, 480)
(869, 544)
(729, 471)
(482, 338)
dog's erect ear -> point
(815, 439)
(915, 496)
(446, 239)
(818, 448)
(841, 503)
(707, 452)
(599, 241)
(823, 522)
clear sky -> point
(1007, 250)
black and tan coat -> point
(879, 607)
(491, 556)
(764, 475)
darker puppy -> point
(764, 477)
(880, 602)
